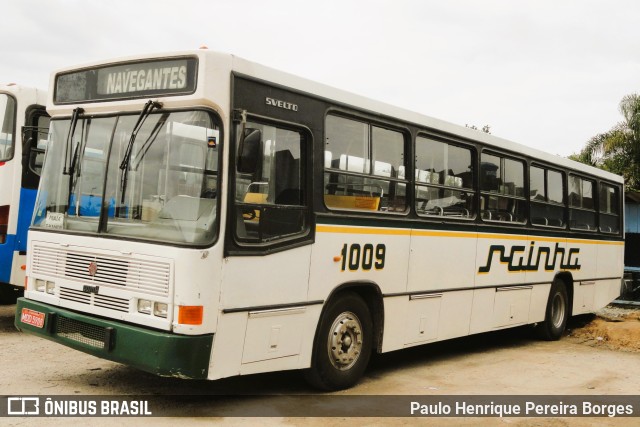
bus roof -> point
(227, 63)
(25, 94)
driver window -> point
(269, 193)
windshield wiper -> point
(75, 170)
(126, 159)
(68, 150)
(71, 153)
(149, 142)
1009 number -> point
(363, 257)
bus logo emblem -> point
(281, 104)
(90, 289)
(93, 268)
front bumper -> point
(160, 353)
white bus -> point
(202, 216)
(23, 137)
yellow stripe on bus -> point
(362, 230)
(456, 234)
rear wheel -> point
(557, 313)
(342, 346)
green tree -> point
(618, 150)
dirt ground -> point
(613, 328)
(599, 356)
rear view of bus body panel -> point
(17, 200)
(602, 283)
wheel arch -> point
(372, 295)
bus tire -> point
(343, 343)
(556, 314)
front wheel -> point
(556, 314)
(343, 343)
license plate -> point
(33, 318)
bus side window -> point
(546, 195)
(502, 187)
(444, 179)
(34, 139)
(7, 126)
(582, 213)
(270, 197)
(364, 166)
(609, 208)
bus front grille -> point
(74, 295)
(112, 303)
(104, 301)
(148, 276)
(84, 333)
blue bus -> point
(24, 125)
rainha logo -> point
(519, 260)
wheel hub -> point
(345, 341)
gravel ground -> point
(508, 362)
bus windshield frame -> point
(171, 194)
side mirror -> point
(250, 151)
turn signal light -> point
(190, 314)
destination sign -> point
(128, 80)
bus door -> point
(34, 142)
(7, 150)
(267, 271)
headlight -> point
(40, 285)
(144, 306)
(51, 287)
(160, 309)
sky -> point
(545, 73)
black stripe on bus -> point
(469, 227)
(271, 307)
(400, 294)
(503, 285)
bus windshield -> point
(7, 123)
(166, 191)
